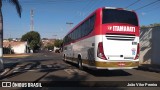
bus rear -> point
(119, 47)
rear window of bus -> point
(119, 16)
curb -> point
(151, 69)
(154, 69)
(13, 56)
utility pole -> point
(32, 21)
(70, 25)
(55, 36)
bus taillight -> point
(100, 52)
(138, 50)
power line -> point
(54, 1)
(132, 4)
(90, 2)
(153, 8)
(91, 6)
(85, 7)
(49, 1)
(147, 5)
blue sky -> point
(50, 16)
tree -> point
(49, 46)
(58, 43)
(155, 24)
(33, 38)
(151, 25)
(18, 8)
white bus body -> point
(108, 46)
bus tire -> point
(80, 63)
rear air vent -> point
(120, 37)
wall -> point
(156, 46)
(21, 48)
(150, 45)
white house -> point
(17, 47)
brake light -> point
(138, 50)
(100, 52)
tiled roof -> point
(6, 44)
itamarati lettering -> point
(124, 28)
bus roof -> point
(95, 12)
(118, 8)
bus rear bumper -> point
(111, 68)
(114, 65)
(116, 68)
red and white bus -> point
(106, 39)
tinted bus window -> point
(119, 16)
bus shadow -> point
(102, 72)
(108, 73)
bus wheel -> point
(80, 63)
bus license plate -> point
(121, 64)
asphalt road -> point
(49, 69)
